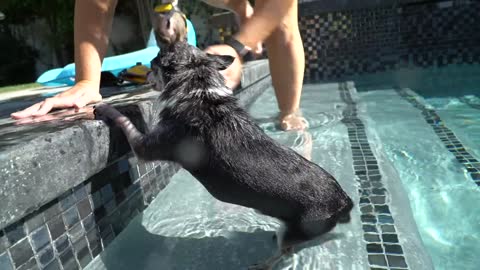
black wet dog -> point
(203, 129)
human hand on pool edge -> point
(81, 94)
(233, 73)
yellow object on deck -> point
(136, 74)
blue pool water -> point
(442, 194)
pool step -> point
(430, 163)
(382, 233)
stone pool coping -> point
(39, 162)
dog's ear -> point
(221, 61)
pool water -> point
(442, 194)
(432, 196)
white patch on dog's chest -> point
(220, 91)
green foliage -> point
(58, 15)
(17, 58)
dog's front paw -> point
(103, 112)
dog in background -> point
(204, 130)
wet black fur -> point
(232, 157)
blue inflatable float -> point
(114, 64)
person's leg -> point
(287, 65)
(286, 58)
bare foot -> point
(293, 121)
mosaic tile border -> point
(70, 231)
(344, 43)
(448, 138)
(380, 235)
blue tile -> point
(100, 213)
(368, 218)
(390, 238)
(76, 232)
(52, 211)
(84, 208)
(370, 228)
(21, 252)
(96, 250)
(110, 207)
(123, 166)
(393, 249)
(80, 244)
(134, 175)
(374, 248)
(97, 199)
(82, 252)
(67, 201)
(133, 188)
(71, 217)
(5, 262)
(377, 260)
(371, 237)
(388, 229)
(45, 256)
(385, 219)
(34, 222)
(93, 237)
(15, 232)
(56, 227)
(40, 238)
(30, 265)
(80, 192)
(62, 243)
(107, 193)
(84, 258)
(88, 222)
(68, 260)
(396, 261)
(54, 265)
(108, 239)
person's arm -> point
(92, 25)
(93, 22)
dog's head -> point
(169, 24)
(184, 71)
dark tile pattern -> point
(448, 138)
(70, 231)
(341, 44)
(381, 240)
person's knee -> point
(287, 34)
